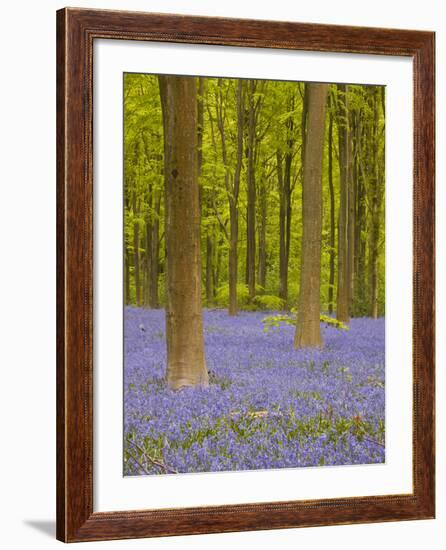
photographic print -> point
(245, 275)
(254, 273)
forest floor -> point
(267, 406)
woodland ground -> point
(268, 405)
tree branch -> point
(155, 462)
(220, 221)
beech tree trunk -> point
(219, 243)
(128, 299)
(342, 299)
(232, 190)
(186, 365)
(152, 249)
(308, 330)
(251, 196)
(262, 233)
(136, 251)
(351, 226)
(209, 270)
(285, 192)
(284, 231)
(154, 254)
(128, 259)
(283, 267)
(209, 241)
(332, 213)
(361, 222)
(233, 259)
(375, 208)
(233, 206)
(233, 209)
(148, 255)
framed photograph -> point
(245, 277)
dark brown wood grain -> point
(76, 31)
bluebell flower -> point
(268, 405)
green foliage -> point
(278, 129)
(260, 301)
(268, 302)
(222, 297)
(276, 321)
(332, 322)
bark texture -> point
(331, 279)
(308, 332)
(251, 194)
(376, 204)
(136, 250)
(186, 365)
(342, 298)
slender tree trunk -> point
(152, 249)
(361, 245)
(283, 267)
(233, 205)
(308, 331)
(342, 299)
(262, 234)
(284, 167)
(251, 197)
(360, 252)
(218, 261)
(209, 247)
(209, 270)
(128, 299)
(375, 209)
(154, 255)
(373, 272)
(331, 279)
(287, 190)
(148, 256)
(351, 210)
(232, 189)
(136, 251)
(186, 365)
(233, 258)
(127, 259)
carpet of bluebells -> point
(267, 406)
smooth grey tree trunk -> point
(308, 331)
(186, 364)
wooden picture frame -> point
(76, 31)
